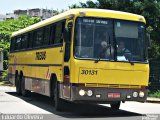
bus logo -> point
(41, 55)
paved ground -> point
(10, 103)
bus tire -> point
(115, 106)
(24, 92)
(53, 80)
(18, 85)
(58, 102)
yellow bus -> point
(82, 55)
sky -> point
(7, 6)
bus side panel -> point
(37, 67)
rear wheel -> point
(24, 92)
(18, 84)
(115, 106)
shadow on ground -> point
(75, 110)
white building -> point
(10, 16)
(2, 17)
(37, 12)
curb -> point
(153, 100)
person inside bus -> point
(123, 51)
(106, 50)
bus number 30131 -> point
(89, 72)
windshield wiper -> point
(103, 52)
(132, 63)
(97, 60)
(129, 59)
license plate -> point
(114, 95)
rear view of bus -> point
(109, 59)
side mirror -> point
(148, 39)
(67, 32)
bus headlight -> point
(89, 93)
(82, 92)
(141, 94)
(135, 94)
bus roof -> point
(102, 13)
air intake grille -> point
(112, 85)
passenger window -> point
(52, 34)
(39, 38)
(46, 36)
(30, 40)
(34, 38)
(58, 32)
(18, 43)
(23, 42)
(12, 44)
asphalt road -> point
(10, 103)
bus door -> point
(67, 47)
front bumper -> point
(103, 92)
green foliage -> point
(4, 75)
(9, 26)
(150, 9)
(155, 94)
(154, 51)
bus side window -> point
(12, 44)
(58, 32)
(18, 43)
(29, 40)
(46, 35)
(52, 34)
(38, 37)
(15, 40)
(23, 44)
(25, 40)
(34, 38)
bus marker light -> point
(135, 94)
(82, 13)
(140, 19)
(141, 94)
(89, 93)
(98, 96)
(82, 92)
(128, 96)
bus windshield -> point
(108, 39)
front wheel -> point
(59, 103)
(115, 106)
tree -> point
(9, 26)
(150, 9)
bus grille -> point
(111, 85)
